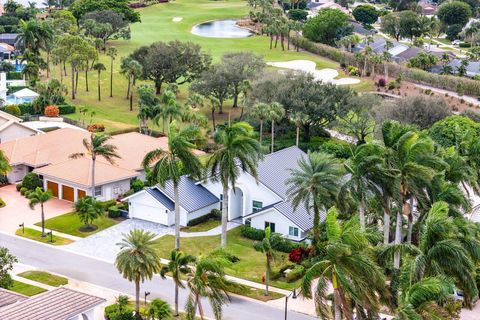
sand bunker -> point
(177, 19)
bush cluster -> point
(214, 214)
(278, 242)
(295, 273)
(2, 203)
(112, 312)
(114, 212)
(137, 185)
(299, 254)
(31, 181)
(14, 110)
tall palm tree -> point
(347, 266)
(38, 196)
(315, 184)
(137, 260)
(265, 246)
(99, 67)
(171, 164)
(239, 152)
(112, 53)
(276, 113)
(131, 69)
(177, 266)
(207, 280)
(97, 147)
(261, 111)
(298, 119)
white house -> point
(12, 128)
(260, 203)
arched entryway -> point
(236, 204)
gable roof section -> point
(160, 197)
(192, 196)
(8, 116)
(57, 304)
(8, 297)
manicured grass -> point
(25, 289)
(70, 223)
(44, 277)
(157, 25)
(205, 226)
(37, 236)
(254, 293)
(251, 265)
(443, 40)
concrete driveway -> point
(17, 210)
(103, 245)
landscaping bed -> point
(37, 236)
(44, 277)
(25, 289)
(205, 226)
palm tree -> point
(346, 265)
(276, 113)
(265, 246)
(315, 183)
(261, 111)
(112, 53)
(88, 209)
(4, 165)
(299, 119)
(131, 69)
(137, 260)
(159, 310)
(38, 196)
(99, 67)
(171, 164)
(178, 265)
(97, 147)
(207, 280)
(239, 152)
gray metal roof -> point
(160, 197)
(9, 297)
(192, 196)
(301, 217)
(57, 304)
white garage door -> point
(143, 212)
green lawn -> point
(36, 235)
(44, 277)
(205, 226)
(157, 25)
(25, 289)
(69, 223)
(251, 265)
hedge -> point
(447, 82)
(15, 76)
(66, 109)
(212, 215)
(278, 242)
(26, 108)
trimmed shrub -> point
(13, 110)
(295, 274)
(112, 313)
(137, 185)
(23, 190)
(108, 204)
(19, 186)
(252, 233)
(14, 76)
(114, 212)
(51, 111)
(198, 220)
(66, 109)
(2, 203)
(281, 244)
(353, 71)
(381, 82)
(216, 214)
(27, 108)
(392, 84)
(31, 181)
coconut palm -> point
(239, 152)
(261, 111)
(99, 67)
(177, 266)
(265, 246)
(206, 280)
(315, 184)
(112, 53)
(347, 266)
(298, 119)
(39, 196)
(88, 209)
(174, 162)
(275, 114)
(97, 147)
(137, 260)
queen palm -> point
(131, 69)
(261, 111)
(347, 266)
(177, 266)
(137, 260)
(39, 196)
(99, 67)
(88, 210)
(265, 246)
(112, 53)
(97, 146)
(276, 113)
(315, 184)
(174, 162)
(239, 152)
(298, 119)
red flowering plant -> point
(299, 254)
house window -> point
(271, 225)
(98, 191)
(257, 206)
(293, 231)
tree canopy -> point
(80, 8)
(365, 14)
(327, 27)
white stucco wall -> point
(17, 173)
(88, 315)
(251, 191)
(144, 206)
(184, 217)
(15, 131)
(282, 224)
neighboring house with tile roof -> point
(12, 128)
(260, 203)
(70, 179)
(57, 304)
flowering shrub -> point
(381, 82)
(299, 254)
(52, 111)
(353, 71)
(96, 127)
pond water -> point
(220, 29)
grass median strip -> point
(44, 277)
(202, 227)
(25, 289)
(37, 236)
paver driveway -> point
(17, 210)
(103, 245)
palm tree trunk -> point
(386, 72)
(176, 300)
(398, 240)
(223, 242)
(213, 118)
(43, 220)
(316, 224)
(128, 87)
(48, 64)
(177, 216)
(271, 40)
(267, 276)
(410, 222)
(386, 221)
(361, 209)
(86, 77)
(200, 308)
(261, 131)
(298, 136)
(131, 100)
(111, 78)
(76, 80)
(99, 98)
(73, 81)
(137, 299)
(273, 135)
(93, 176)
(336, 305)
